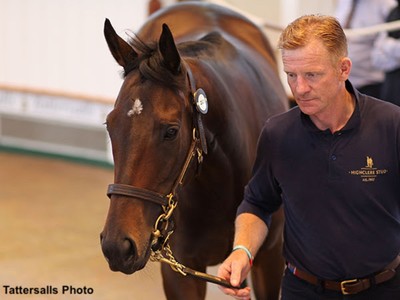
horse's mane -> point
(150, 63)
(205, 46)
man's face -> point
(314, 79)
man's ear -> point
(345, 67)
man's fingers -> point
(236, 274)
(243, 294)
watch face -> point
(200, 99)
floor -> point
(51, 214)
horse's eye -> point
(171, 133)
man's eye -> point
(311, 75)
(291, 76)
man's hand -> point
(235, 269)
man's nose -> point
(302, 85)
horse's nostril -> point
(119, 252)
(129, 248)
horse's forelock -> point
(150, 64)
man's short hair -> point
(308, 28)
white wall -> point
(59, 44)
(282, 12)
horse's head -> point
(153, 130)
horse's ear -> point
(121, 50)
(168, 50)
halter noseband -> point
(134, 192)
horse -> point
(199, 81)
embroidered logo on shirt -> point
(368, 173)
(370, 162)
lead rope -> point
(160, 248)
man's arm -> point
(250, 233)
(386, 53)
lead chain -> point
(158, 256)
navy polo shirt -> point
(340, 192)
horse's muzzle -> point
(121, 254)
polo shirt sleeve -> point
(262, 194)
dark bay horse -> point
(184, 130)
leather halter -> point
(134, 192)
(194, 149)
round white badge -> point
(200, 99)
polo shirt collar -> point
(351, 124)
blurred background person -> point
(359, 14)
(386, 56)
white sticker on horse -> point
(137, 108)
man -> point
(334, 163)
